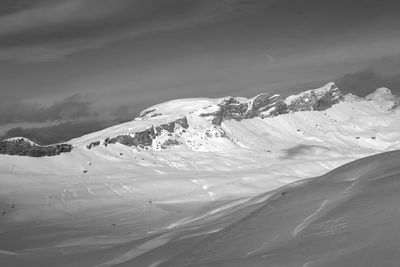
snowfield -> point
(236, 194)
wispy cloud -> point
(55, 29)
(48, 14)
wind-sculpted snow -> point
(348, 217)
(165, 188)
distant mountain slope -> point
(208, 124)
(318, 117)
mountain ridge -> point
(172, 118)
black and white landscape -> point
(199, 133)
(213, 182)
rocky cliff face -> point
(229, 109)
(25, 147)
(263, 105)
(268, 105)
(318, 99)
(144, 138)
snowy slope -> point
(182, 169)
(212, 123)
(348, 217)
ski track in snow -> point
(159, 172)
(127, 187)
(89, 190)
(111, 188)
(308, 219)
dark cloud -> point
(58, 133)
(69, 118)
(71, 108)
(366, 81)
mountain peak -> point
(380, 94)
(315, 99)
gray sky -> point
(74, 66)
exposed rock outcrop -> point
(25, 147)
(93, 144)
(229, 109)
(170, 142)
(144, 138)
(268, 105)
(317, 99)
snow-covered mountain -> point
(186, 169)
(197, 124)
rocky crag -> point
(144, 138)
(24, 147)
(267, 105)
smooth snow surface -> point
(217, 199)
